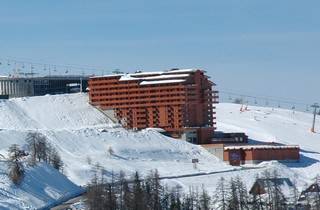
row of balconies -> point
(131, 86)
(116, 102)
(141, 91)
(135, 96)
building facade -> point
(253, 154)
(244, 153)
(180, 101)
(12, 87)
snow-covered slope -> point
(265, 124)
(49, 113)
(84, 136)
(42, 187)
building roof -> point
(52, 77)
(260, 186)
(153, 78)
(249, 147)
(151, 73)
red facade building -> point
(181, 101)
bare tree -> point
(16, 168)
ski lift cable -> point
(265, 98)
(80, 68)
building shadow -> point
(304, 162)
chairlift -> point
(307, 109)
(230, 98)
(279, 105)
(255, 101)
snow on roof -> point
(107, 75)
(166, 76)
(162, 81)
(73, 84)
(148, 73)
(160, 130)
(130, 76)
(247, 147)
(180, 71)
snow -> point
(128, 77)
(247, 147)
(265, 125)
(107, 75)
(162, 81)
(155, 74)
(166, 76)
(84, 136)
(43, 186)
(181, 71)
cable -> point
(20, 64)
(266, 99)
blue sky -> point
(263, 48)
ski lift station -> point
(22, 86)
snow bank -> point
(41, 187)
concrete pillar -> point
(1, 87)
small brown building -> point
(253, 154)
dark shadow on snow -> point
(304, 162)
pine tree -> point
(220, 195)
(204, 200)
(138, 199)
(232, 196)
(242, 194)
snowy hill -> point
(42, 186)
(84, 136)
(49, 113)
